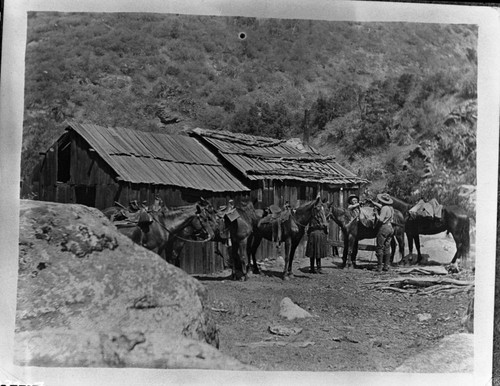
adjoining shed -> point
(278, 171)
(98, 166)
(281, 170)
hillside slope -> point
(372, 89)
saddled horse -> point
(353, 230)
(193, 232)
(235, 229)
(156, 230)
(293, 227)
(453, 220)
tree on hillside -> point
(263, 119)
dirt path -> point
(354, 327)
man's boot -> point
(387, 259)
(379, 263)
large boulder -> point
(89, 296)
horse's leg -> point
(410, 249)
(288, 266)
(345, 252)
(293, 247)
(393, 249)
(231, 250)
(242, 252)
(400, 238)
(176, 253)
(417, 246)
(459, 246)
(254, 245)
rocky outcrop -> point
(88, 296)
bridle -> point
(293, 211)
(173, 234)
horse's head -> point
(203, 223)
(318, 214)
(145, 223)
(339, 215)
(314, 209)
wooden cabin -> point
(278, 171)
(98, 166)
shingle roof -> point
(158, 159)
(266, 158)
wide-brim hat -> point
(351, 197)
(384, 198)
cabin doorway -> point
(85, 195)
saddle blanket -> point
(430, 209)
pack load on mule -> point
(430, 209)
(157, 227)
(367, 216)
(453, 219)
(288, 226)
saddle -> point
(225, 216)
(127, 218)
(276, 216)
(228, 213)
(134, 214)
(430, 209)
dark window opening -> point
(63, 162)
(302, 193)
(85, 195)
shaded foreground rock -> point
(453, 354)
(88, 296)
(60, 347)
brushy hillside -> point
(373, 90)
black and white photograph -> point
(217, 192)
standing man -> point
(385, 231)
(353, 205)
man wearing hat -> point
(385, 231)
(353, 204)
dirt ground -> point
(354, 327)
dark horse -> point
(353, 231)
(156, 230)
(235, 229)
(293, 228)
(453, 220)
